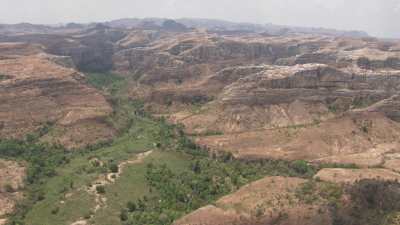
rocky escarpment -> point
(370, 58)
(260, 97)
(37, 92)
(310, 111)
(195, 55)
(391, 63)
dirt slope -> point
(36, 91)
(12, 176)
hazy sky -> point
(377, 17)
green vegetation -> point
(339, 165)
(313, 191)
(373, 202)
(42, 161)
(100, 189)
(106, 81)
(114, 168)
(361, 102)
(333, 108)
(3, 77)
(302, 167)
(132, 185)
(209, 133)
(331, 192)
(201, 183)
(307, 192)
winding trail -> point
(107, 179)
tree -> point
(113, 168)
(131, 206)
(100, 189)
(123, 215)
(197, 167)
(301, 166)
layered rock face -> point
(35, 92)
(274, 97)
(181, 52)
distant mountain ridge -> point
(212, 25)
(222, 25)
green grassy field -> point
(73, 179)
(133, 185)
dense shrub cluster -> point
(372, 203)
